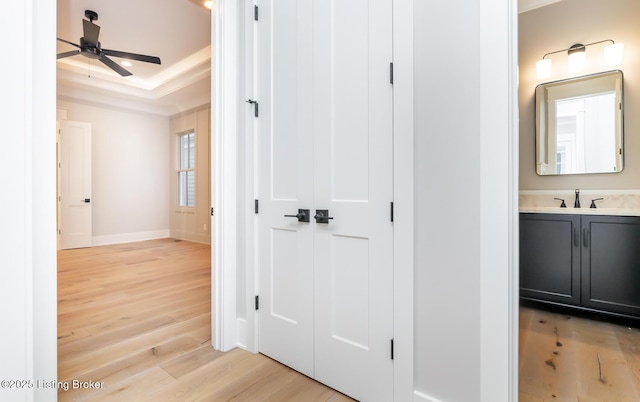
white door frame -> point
(226, 23)
(234, 166)
(403, 194)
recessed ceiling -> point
(527, 5)
(176, 31)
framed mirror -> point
(579, 125)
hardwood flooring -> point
(571, 358)
(134, 319)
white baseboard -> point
(420, 397)
(129, 237)
(194, 237)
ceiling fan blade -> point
(114, 66)
(67, 54)
(91, 32)
(131, 56)
(66, 41)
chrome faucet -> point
(577, 203)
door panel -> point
(285, 171)
(353, 264)
(284, 276)
(550, 257)
(74, 177)
(610, 268)
(349, 290)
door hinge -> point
(255, 106)
(391, 349)
(257, 302)
(256, 207)
(59, 231)
(391, 211)
(255, 13)
(211, 211)
(391, 73)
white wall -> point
(465, 211)
(130, 171)
(447, 201)
(192, 223)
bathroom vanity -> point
(582, 258)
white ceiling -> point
(527, 5)
(177, 31)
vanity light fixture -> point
(575, 63)
(204, 4)
(576, 57)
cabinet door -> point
(550, 257)
(611, 263)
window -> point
(186, 170)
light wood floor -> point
(136, 318)
(569, 358)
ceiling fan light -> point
(126, 63)
(208, 4)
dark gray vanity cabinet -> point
(611, 263)
(586, 261)
(550, 257)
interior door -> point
(325, 145)
(285, 183)
(353, 144)
(74, 178)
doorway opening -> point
(136, 250)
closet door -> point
(285, 183)
(325, 145)
(353, 260)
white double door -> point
(324, 142)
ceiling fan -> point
(90, 47)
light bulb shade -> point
(543, 68)
(576, 61)
(613, 54)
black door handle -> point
(255, 104)
(322, 216)
(87, 200)
(302, 215)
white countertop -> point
(612, 202)
(570, 210)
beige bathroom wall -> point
(558, 26)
